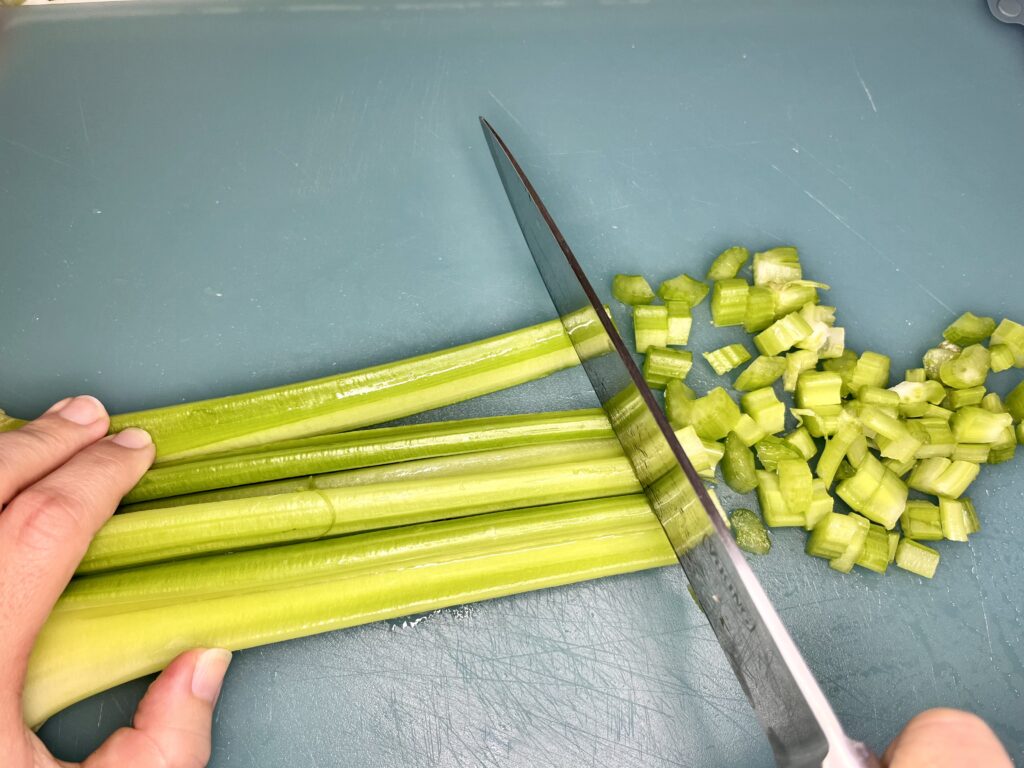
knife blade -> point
(791, 707)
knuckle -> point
(45, 516)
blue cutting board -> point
(202, 198)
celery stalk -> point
(728, 263)
(762, 372)
(969, 329)
(738, 469)
(198, 529)
(683, 288)
(1010, 334)
(729, 302)
(247, 599)
(632, 289)
(650, 326)
(368, 447)
(917, 558)
(724, 359)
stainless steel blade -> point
(792, 709)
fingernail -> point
(58, 405)
(133, 437)
(83, 410)
(208, 676)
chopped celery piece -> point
(821, 504)
(762, 372)
(953, 518)
(771, 450)
(791, 296)
(973, 524)
(832, 536)
(1001, 454)
(778, 265)
(875, 555)
(872, 369)
(935, 357)
(1020, 433)
(680, 320)
(888, 502)
(683, 288)
(956, 478)
(774, 509)
(857, 491)
(969, 329)
(695, 450)
(729, 302)
(938, 437)
(632, 289)
(920, 521)
(916, 374)
(900, 443)
(748, 430)
(1012, 335)
(821, 422)
(835, 449)
(715, 451)
(715, 415)
(858, 450)
(916, 396)
(801, 439)
(817, 388)
(899, 468)
(1015, 403)
(958, 398)
(974, 452)
(797, 362)
(894, 542)
(877, 396)
(993, 403)
(766, 409)
(917, 558)
(724, 359)
(661, 365)
(972, 424)
(795, 484)
(968, 369)
(843, 365)
(854, 547)
(751, 535)
(846, 470)
(727, 264)
(835, 344)
(650, 326)
(942, 413)
(927, 473)
(1000, 357)
(738, 469)
(679, 400)
(760, 309)
(783, 334)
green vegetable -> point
(875, 555)
(771, 450)
(1015, 403)
(916, 374)
(1012, 335)
(715, 415)
(968, 369)
(728, 263)
(972, 424)
(351, 400)
(738, 468)
(363, 448)
(795, 485)
(679, 400)
(783, 334)
(679, 323)
(762, 372)
(920, 521)
(774, 509)
(815, 389)
(632, 289)
(969, 329)
(953, 519)
(958, 398)
(115, 627)
(801, 439)
(650, 326)
(683, 289)
(835, 534)
(872, 370)
(663, 364)
(760, 309)
(765, 408)
(1000, 357)
(748, 430)
(729, 302)
(751, 535)
(835, 449)
(917, 558)
(797, 362)
(778, 265)
(198, 529)
(934, 358)
(724, 359)
(821, 504)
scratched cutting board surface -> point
(201, 199)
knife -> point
(793, 711)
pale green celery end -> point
(76, 656)
(165, 534)
(969, 329)
(1011, 334)
(362, 448)
(724, 359)
(845, 562)
(761, 372)
(777, 265)
(683, 288)
(728, 263)
(650, 326)
(968, 369)
(1000, 358)
(680, 322)
(916, 375)
(953, 519)
(917, 558)
(352, 400)
(632, 289)
(729, 302)
(795, 483)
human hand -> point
(946, 738)
(60, 479)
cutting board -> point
(202, 198)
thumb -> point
(946, 738)
(172, 724)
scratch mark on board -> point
(505, 110)
(36, 152)
(867, 91)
